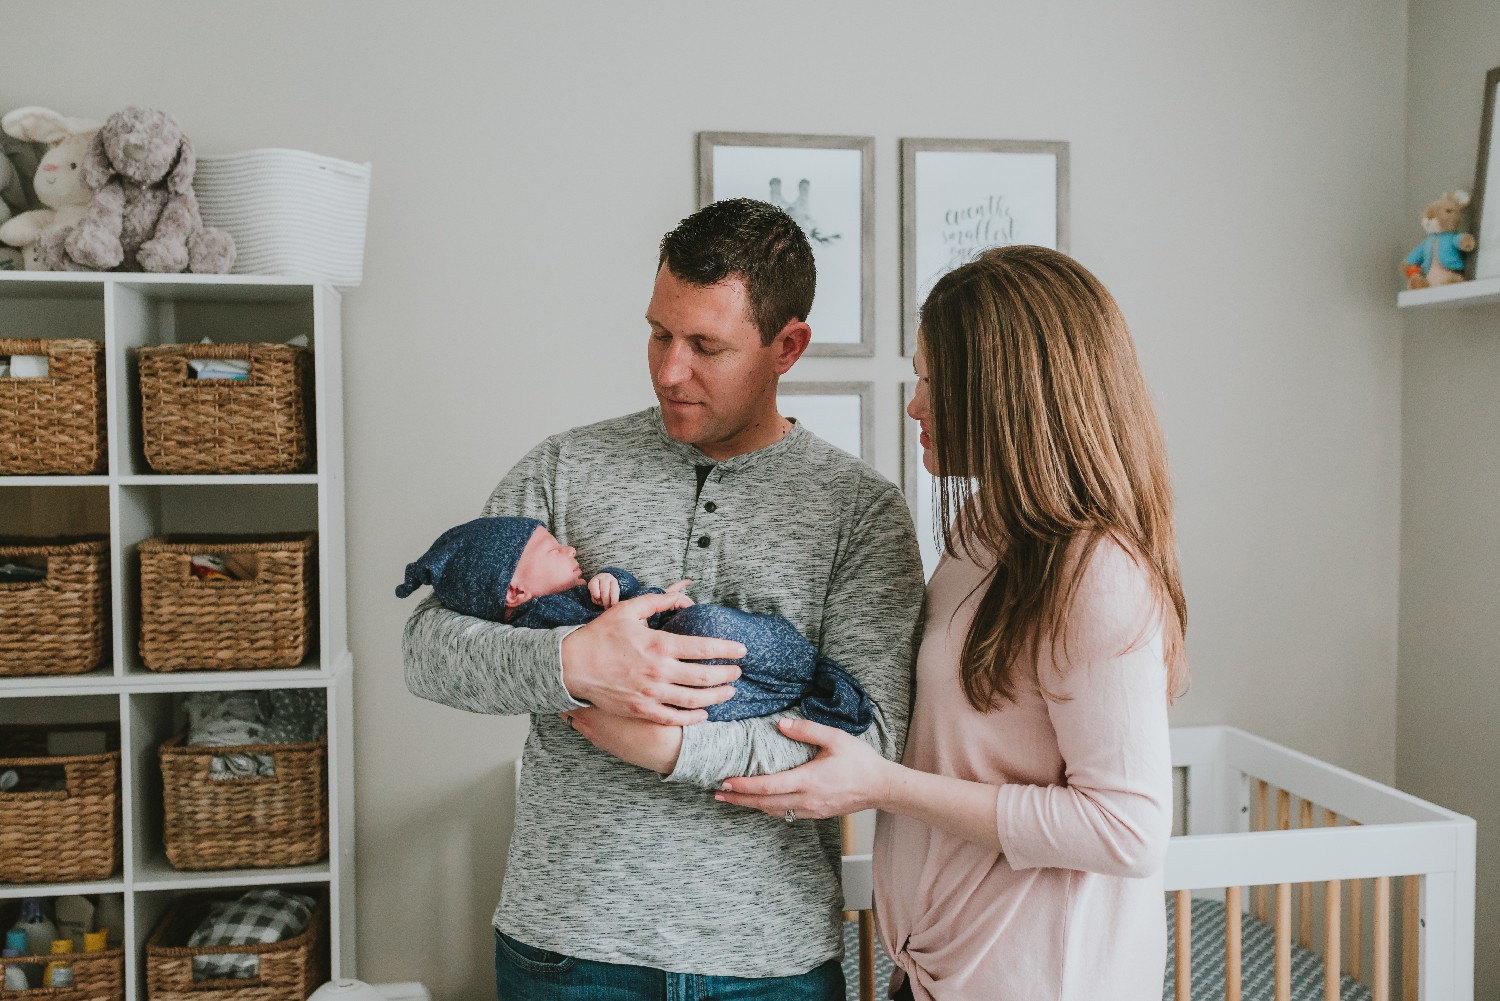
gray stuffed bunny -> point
(144, 215)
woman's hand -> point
(846, 776)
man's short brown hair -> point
(755, 242)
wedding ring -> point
(791, 818)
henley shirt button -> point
(702, 542)
(710, 507)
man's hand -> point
(645, 745)
(605, 590)
(627, 669)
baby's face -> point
(546, 566)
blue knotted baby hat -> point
(470, 565)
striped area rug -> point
(1258, 947)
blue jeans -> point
(524, 973)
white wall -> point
(1237, 178)
(1448, 726)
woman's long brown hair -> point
(1038, 401)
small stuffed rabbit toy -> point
(58, 182)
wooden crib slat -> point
(1184, 946)
(1411, 906)
(1260, 896)
(1305, 890)
(866, 956)
(1233, 942)
(1332, 962)
(1283, 810)
(846, 832)
(1380, 986)
(1333, 908)
(1356, 942)
(1283, 942)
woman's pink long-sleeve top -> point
(1071, 905)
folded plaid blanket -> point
(256, 917)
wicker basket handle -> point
(71, 777)
(219, 984)
(228, 780)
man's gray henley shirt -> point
(609, 862)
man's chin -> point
(682, 428)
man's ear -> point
(790, 343)
(515, 596)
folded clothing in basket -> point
(229, 368)
(23, 367)
(227, 719)
(256, 917)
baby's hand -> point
(680, 589)
(605, 590)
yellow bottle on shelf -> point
(59, 972)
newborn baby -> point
(513, 570)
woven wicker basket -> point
(97, 976)
(54, 425)
(60, 624)
(252, 822)
(290, 970)
(192, 624)
(254, 425)
(71, 835)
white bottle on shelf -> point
(39, 929)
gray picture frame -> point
(909, 446)
(909, 150)
(863, 390)
(1482, 168)
(865, 145)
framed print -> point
(838, 412)
(1485, 261)
(962, 196)
(827, 184)
(916, 483)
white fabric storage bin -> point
(290, 212)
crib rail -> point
(1312, 842)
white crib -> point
(1308, 870)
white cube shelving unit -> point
(130, 503)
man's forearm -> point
(481, 666)
(713, 752)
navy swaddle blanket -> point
(470, 567)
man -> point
(624, 874)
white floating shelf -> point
(1480, 292)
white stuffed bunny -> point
(59, 177)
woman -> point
(1019, 847)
